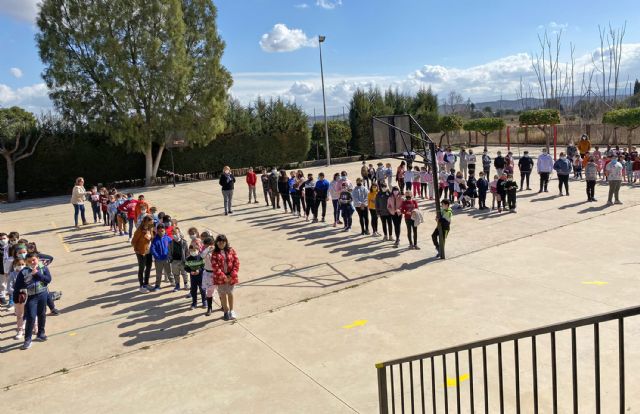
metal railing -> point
(404, 384)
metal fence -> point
(421, 384)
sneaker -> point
(176, 289)
(396, 244)
(323, 220)
(339, 222)
(230, 212)
(335, 224)
(153, 289)
(345, 229)
(129, 239)
(416, 247)
(42, 338)
(367, 232)
(26, 345)
(54, 312)
(192, 307)
(609, 203)
(232, 315)
(19, 336)
(226, 316)
(208, 312)
(143, 289)
(618, 202)
(594, 199)
(315, 220)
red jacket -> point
(407, 207)
(252, 178)
(217, 265)
(129, 207)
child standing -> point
(493, 188)
(160, 252)
(17, 266)
(451, 183)
(591, 175)
(417, 182)
(472, 190)
(104, 203)
(264, 179)
(194, 265)
(577, 167)
(442, 182)
(252, 178)
(179, 252)
(483, 187)
(194, 239)
(94, 198)
(511, 189)
(628, 166)
(207, 274)
(636, 169)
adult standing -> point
(614, 177)
(322, 194)
(572, 150)
(78, 197)
(471, 162)
(393, 205)
(584, 145)
(464, 162)
(400, 175)
(525, 164)
(335, 187)
(227, 181)
(226, 266)
(283, 191)
(545, 168)
(499, 163)
(562, 167)
(382, 211)
(33, 280)
(141, 243)
(486, 164)
(360, 202)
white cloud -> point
(25, 10)
(328, 4)
(16, 72)
(554, 27)
(301, 6)
(33, 98)
(301, 88)
(283, 39)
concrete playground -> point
(317, 308)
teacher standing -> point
(78, 197)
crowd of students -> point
(24, 286)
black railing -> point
(404, 384)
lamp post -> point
(324, 102)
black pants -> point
(266, 195)
(523, 175)
(511, 200)
(310, 207)
(97, 213)
(544, 181)
(363, 214)
(322, 201)
(563, 180)
(144, 268)
(275, 199)
(472, 169)
(396, 224)
(487, 170)
(591, 189)
(423, 190)
(296, 203)
(411, 231)
(196, 285)
(386, 225)
(105, 217)
(374, 220)
(286, 201)
(435, 236)
(36, 307)
(482, 199)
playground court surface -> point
(317, 308)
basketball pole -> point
(324, 102)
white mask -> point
(4, 242)
(19, 268)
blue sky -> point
(479, 49)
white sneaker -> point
(232, 315)
(19, 336)
(143, 289)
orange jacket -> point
(139, 242)
(139, 207)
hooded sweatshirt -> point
(545, 163)
(562, 166)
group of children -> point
(17, 285)
(627, 157)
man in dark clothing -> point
(499, 163)
(483, 187)
(322, 189)
(309, 187)
(273, 188)
(445, 221)
(526, 166)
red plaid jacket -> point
(217, 264)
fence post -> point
(508, 138)
(383, 399)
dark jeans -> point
(511, 200)
(196, 284)
(36, 306)
(544, 181)
(322, 201)
(386, 225)
(374, 220)
(591, 189)
(286, 201)
(563, 180)
(482, 199)
(523, 175)
(435, 236)
(363, 214)
(275, 199)
(130, 227)
(336, 211)
(408, 186)
(79, 208)
(297, 206)
(266, 195)
(396, 224)
(144, 268)
(105, 217)
(347, 213)
(411, 231)
(310, 207)
(95, 208)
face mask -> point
(12, 242)
(192, 236)
(129, 198)
(177, 237)
(193, 252)
(408, 198)
(395, 192)
(22, 255)
(19, 268)
(3, 242)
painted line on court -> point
(355, 324)
(595, 282)
(451, 382)
(64, 244)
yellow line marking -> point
(451, 382)
(595, 282)
(65, 245)
(355, 324)
(73, 333)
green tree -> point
(136, 70)
(425, 109)
(398, 102)
(543, 119)
(19, 138)
(363, 107)
(627, 118)
(484, 126)
(636, 87)
(339, 138)
(448, 124)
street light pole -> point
(324, 103)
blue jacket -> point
(34, 282)
(322, 187)
(562, 166)
(483, 185)
(160, 247)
